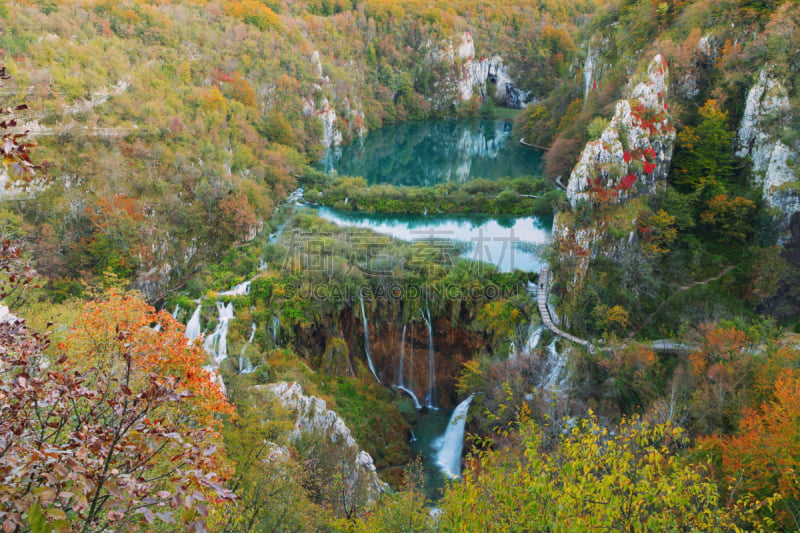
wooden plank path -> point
(529, 145)
(541, 299)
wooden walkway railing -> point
(541, 299)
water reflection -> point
(509, 243)
(427, 152)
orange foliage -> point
(110, 209)
(100, 335)
(764, 456)
(721, 369)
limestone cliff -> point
(775, 164)
(630, 159)
(487, 74)
(361, 480)
(323, 103)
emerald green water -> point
(427, 152)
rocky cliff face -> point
(630, 159)
(348, 123)
(334, 345)
(361, 481)
(775, 164)
(486, 74)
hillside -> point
(301, 374)
(189, 112)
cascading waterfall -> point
(410, 383)
(452, 443)
(276, 326)
(242, 289)
(417, 405)
(176, 311)
(533, 340)
(430, 395)
(245, 366)
(400, 380)
(193, 326)
(217, 343)
(556, 363)
(366, 339)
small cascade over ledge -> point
(452, 443)
(367, 350)
(400, 380)
(417, 405)
(193, 326)
(431, 394)
(245, 366)
(216, 344)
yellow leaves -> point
(730, 216)
(593, 479)
(470, 378)
(255, 13)
(611, 319)
(213, 100)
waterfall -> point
(533, 340)
(400, 380)
(193, 326)
(245, 366)
(216, 344)
(417, 405)
(452, 443)
(429, 396)
(555, 365)
(242, 289)
(410, 384)
(176, 311)
(366, 338)
(276, 326)
(262, 264)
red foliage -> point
(101, 445)
(626, 182)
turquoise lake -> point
(425, 153)
(428, 152)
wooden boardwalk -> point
(541, 299)
(529, 145)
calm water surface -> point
(428, 152)
(509, 243)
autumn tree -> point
(277, 130)
(629, 480)
(105, 436)
(763, 457)
(704, 160)
(255, 13)
(732, 218)
(721, 371)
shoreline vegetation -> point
(519, 196)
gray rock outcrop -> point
(775, 164)
(630, 159)
(313, 416)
